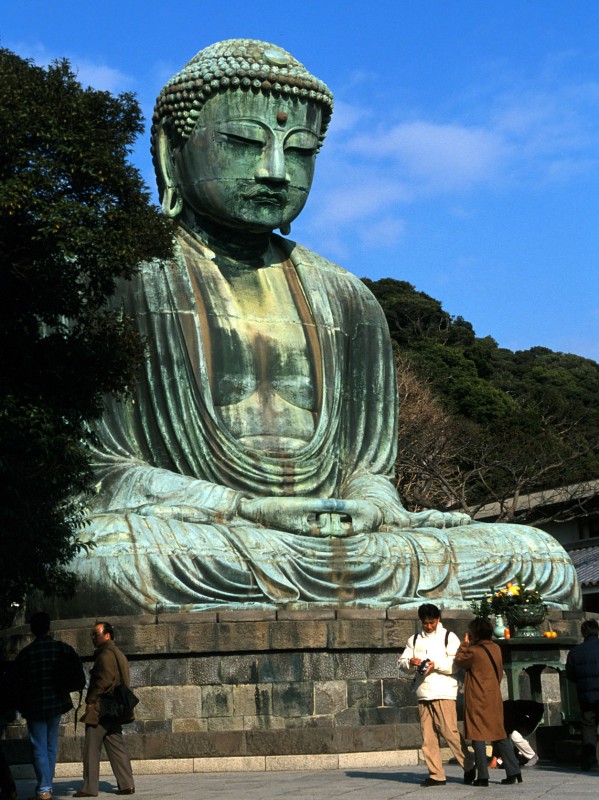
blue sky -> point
(463, 154)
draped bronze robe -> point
(170, 476)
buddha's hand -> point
(437, 519)
(312, 517)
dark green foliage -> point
(75, 216)
(457, 379)
(414, 316)
(510, 423)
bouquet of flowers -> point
(500, 601)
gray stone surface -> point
(152, 702)
(185, 702)
(293, 699)
(330, 697)
(398, 692)
(253, 700)
(382, 665)
(364, 694)
(319, 666)
(217, 701)
(312, 633)
(204, 670)
(236, 669)
(350, 666)
(354, 778)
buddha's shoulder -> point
(303, 257)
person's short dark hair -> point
(107, 628)
(480, 628)
(428, 611)
(590, 627)
(39, 623)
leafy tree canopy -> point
(505, 422)
(75, 217)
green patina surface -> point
(253, 465)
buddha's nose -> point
(272, 166)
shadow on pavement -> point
(398, 777)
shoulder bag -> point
(117, 708)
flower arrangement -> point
(500, 601)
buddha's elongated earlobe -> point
(172, 203)
(285, 229)
(171, 200)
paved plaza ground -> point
(545, 781)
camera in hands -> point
(423, 666)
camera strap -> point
(417, 634)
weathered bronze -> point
(253, 465)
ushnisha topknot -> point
(236, 64)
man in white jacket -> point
(430, 655)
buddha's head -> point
(235, 136)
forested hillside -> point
(479, 423)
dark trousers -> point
(506, 751)
(589, 717)
(7, 784)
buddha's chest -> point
(264, 345)
(249, 356)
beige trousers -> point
(439, 718)
(116, 750)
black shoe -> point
(433, 782)
(587, 765)
(513, 778)
(469, 776)
(481, 782)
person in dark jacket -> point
(582, 667)
(42, 701)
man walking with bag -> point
(111, 669)
(430, 654)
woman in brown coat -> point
(483, 706)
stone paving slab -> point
(546, 781)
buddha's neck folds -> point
(236, 245)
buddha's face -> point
(249, 161)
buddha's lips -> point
(275, 197)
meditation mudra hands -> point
(309, 516)
(313, 516)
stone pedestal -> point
(256, 684)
